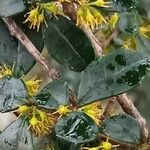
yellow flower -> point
(113, 20)
(92, 148)
(130, 43)
(33, 86)
(36, 15)
(106, 145)
(89, 17)
(33, 17)
(100, 3)
(23, 109)
(51, 6)
(6, 71)
(62, 110)
(93, 110)
(145, 31)
(40, 122)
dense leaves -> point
(11, 7)
(113, 74)
(67, 43)
(54, 94)
(125, 5)
(121, 127)
(15, 136)
(76, 128)
(12, 93)
(12, 52)
(128, 23)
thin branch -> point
(18, 33)
(110, 38)
(108, 108)
(129, 108)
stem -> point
(129, 108)
(108, 108)
(126, 103)
(18, 33)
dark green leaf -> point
(54, 94)
(67, 43)
(22, 65)
(113, 74)
(121, 127)
(128, 23)
(12, 93)
(8, 47)
(143, 44)
(76, 128)
(125, 5)
(12, 52)
(11, 7)
(15, 136)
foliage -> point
(52, 117)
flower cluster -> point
(105, 145)
(93, 110)
(130, 42)
(36, 15)
(6, 71)
(40, 122)
(89, 16)
(33, 86)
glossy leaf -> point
(15, 136)
(12, 52)
(128, 23)
(54, 94)
(143, 44)
(76, 128)
(12, 93)
(67, 43)
(121, 127)
(8, 46)
(11, 7)
(22, 65)
(113, 74)
(125, 5)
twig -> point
(52, 72)
(129, 108)
(109, 39)
(18, 33)
(70, 11)
(126, 103)
(108, 108)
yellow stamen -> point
(113, 21)
(33, 86)
(6, 71)
(145, 31)
(106, 145)
(100, 3)
(93, 110)
(130, 43)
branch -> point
(126, 103)
(18, 33)
(129, 108)
(108, 108)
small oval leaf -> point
(121, 127)
(67, 43)
(76, 128)
(113, 74)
